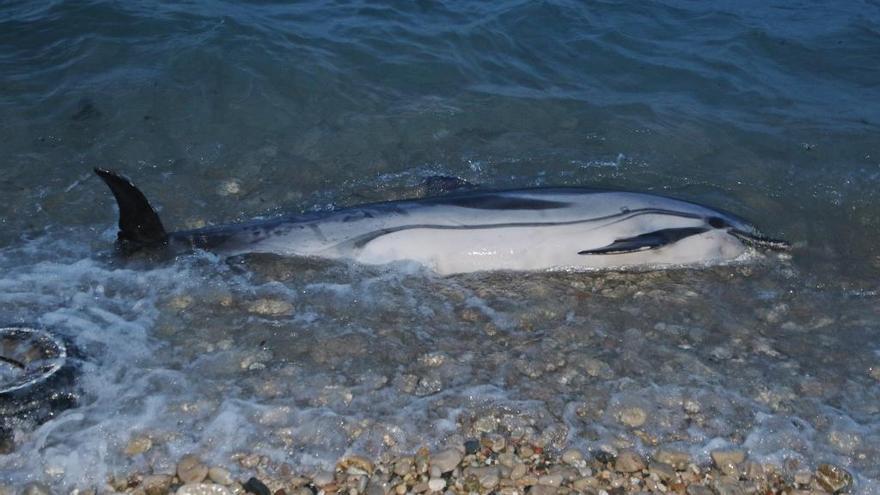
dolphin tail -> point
(139, 224)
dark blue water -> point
(229, 110)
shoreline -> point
(494, 464)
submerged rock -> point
(833, 478)
(355, 464)
(257, 487)
(203, 489)
(156, 484)
(436, 484)
(632, 416)
(270, 307)
(36, 488)
(728, 460)
(220, 476)
(675, 458)
(629, 461)
(191, 470)
(138, 445)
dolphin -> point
(560, 228)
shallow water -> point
(225, 111)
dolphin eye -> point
(717, 223)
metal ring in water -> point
(28, 357)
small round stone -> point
(203, 489)
(229, 187)
(356, 464)
(677, 459)
(471, 447)
(190, 469)
(629, 461)
(833, 478)
(494, 442)
(446, 460)
(803, 477)
(551, 480)
(572, 457)
(518, 471)
(138, 445)
(156, 484)
(220, 476)
(728, 460)
(436, 484)
(632, 416)
(270, 307)
(322, 478)
(36, 488)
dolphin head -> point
(747, 233)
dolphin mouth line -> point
(760, 241)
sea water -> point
(224, 111)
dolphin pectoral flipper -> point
(139, 224)
(643, 242)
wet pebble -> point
(518, 471)
(604, 456)
(36, 488)
(573, 457)
(632, 416)
(220, 476)
(551, 480)
(471, 447)
(543, 490)
(728, 488)
(404, 465)
(356, 464)
(270, 307)
(753, 470)
(803, 477)
(323, 478)
(507, 459)
(663, 471)
(257, 487)
(728, 460)
(833, 478)
(229, 188)
(494, 442)
(845, 442)
(156, 484)
(436, 484)
(629, 461)
(190, 469)
(694, 489)
(203, 489)
(446, 460)
(677, 459)
(585, 485)
(138, 445)
(487, 476)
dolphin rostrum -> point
(521, 229)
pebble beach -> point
(493, 464)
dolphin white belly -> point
(529, 229)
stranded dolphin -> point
(520, 229)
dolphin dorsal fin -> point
(139, 224)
